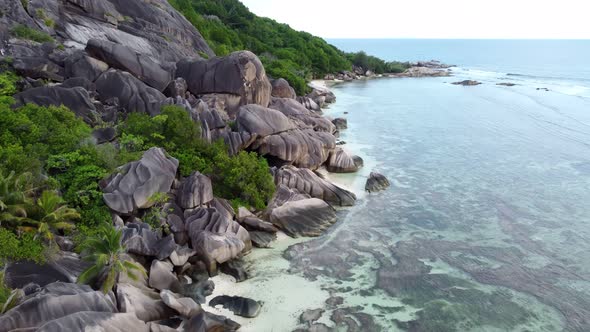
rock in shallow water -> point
(240, 306)
(307, 217)
(376, 182)
(235, 268)
(262, 239)
(341, 162)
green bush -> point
(25, 247)
(8, 81)
(24, 32)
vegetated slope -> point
(297, 56)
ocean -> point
(486, 226)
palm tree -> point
(107, 254)
(15, 192)
(48, 215)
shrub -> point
(25, 247)
(24, 32)
(8, 81)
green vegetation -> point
(229, 26)
(105, 251)
(24, 32)
(376, 65)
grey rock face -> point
(205, 322)
(194, 191)
(262, 239)
(376, 182)
(307, 217)
(303, 148)
(181, 255)
(145, 242)
(46, 306)
(143, 302)
(306, 181)
(81, 65)
(235, 268)
(256, 224)
(162, 277)
(262, 121)
(294, 110)
(282, 89)
(340, 123)
(467, 83)
(240, 74)
(176, 88)
(237, 142)
(133, 95)
(137, 181)
(217, 248)
(97, 321)
(211, 220)
(322, 96)
(76, 99)
(185, 306)
(341, 162)
(240, 306)
(124, 58)
(310, 104)
(66, 267)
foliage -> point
(155, 214)
(24, 32)
(376, 65)
(245, 179)
(8, 81)
(228, 26)
(20, 247)
(50, 215)
(107, 254)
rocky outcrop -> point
(240, 306)
(262, 121)
(376, 182)
(124, 58)
(132, 94)
(217, 248)
(76, 99)
(310, 104)
(139, 239)
(239, 74)
(162, 276)
(341, 162)
(306, 217)
(340, 123)
(294, 110)
(467, 83)
(234, 268)
(79, 64)
(49, 305)
(136, 182)
(143, 302)
(97, 321)
(262, 239)
(306, 181)
(64, 267)
(194, 191)
(205, 321)
(185, 306)
(282, 89)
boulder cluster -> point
(109, 58)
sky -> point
(567, 19)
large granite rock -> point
(79, 64)
(306, 217)
(185, 306)
(162, 276)
(64, 267)
(208, 322)
(76, 99)
(237, 142)
(96, 321)
(210, 219)
(340, 123)
(240, 74)
(240, 306)
(217, 248)
(262, 121)
(262, 239)
(376, 182)
(310, 104)
(294, 110)
(135, 183)
(49, 305)
(282, 89)
(143, 302)
(235, 268)
(194, 191)
(124, 58)
(306, 181)
(341, 162)
(132, 94)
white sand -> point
(284, 295)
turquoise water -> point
(487, 224)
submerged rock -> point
(307, 217)
(376, 182)
(235, 268)
(340, 123)
(467, 83)
(240, 306)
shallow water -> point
(486, 225)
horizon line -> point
(453, 38)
